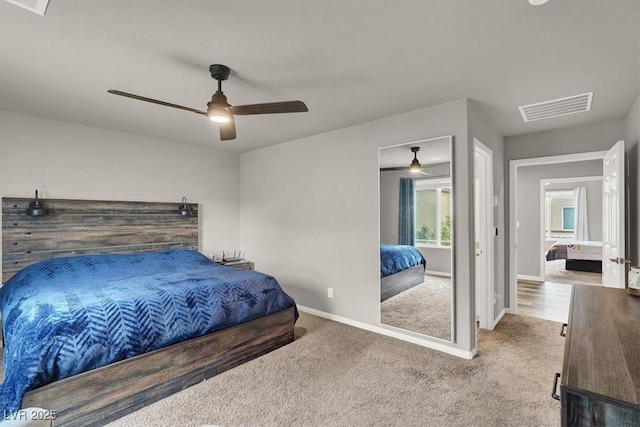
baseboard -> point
(391, 333)
(437, 273)
(500, 316)
(527, 278)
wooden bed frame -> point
(75, 227)
(401, 281)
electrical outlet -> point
(330, 292)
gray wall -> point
(64, 160)
(310, 213)
(485, 132)
(528, 207)
(596, 136)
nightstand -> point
(243, 264)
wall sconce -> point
(184, 210)
(36, 208)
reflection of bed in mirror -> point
(401, 268)
(578, 255)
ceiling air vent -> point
(36, 6)
(556, 107)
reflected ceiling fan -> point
(220, 111)
(414, 166)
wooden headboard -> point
(78, 227)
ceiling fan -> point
(414, 166)
(220, 111)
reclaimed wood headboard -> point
(78, 227)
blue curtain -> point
(406, 218)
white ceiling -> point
(349, 61)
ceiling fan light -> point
(415, 165)
(219, 114)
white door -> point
(483, 237)
(613, 242)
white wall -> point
(64, 160)
(310, 213)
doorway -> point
(525, 239)
(520, 240)
(570, 212)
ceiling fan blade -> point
(154, 101)
(227, 130)
(270, 108)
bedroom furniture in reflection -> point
(600, 379)
(578, 255)
(167, 276)
(401, 267)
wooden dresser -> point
(600, 381)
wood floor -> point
(550, 300)
(547, 300)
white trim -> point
(391, 333)
(573, 179)
(437, 273)
(528, 278)
(499, 318)
(418, 141)
(513, 214)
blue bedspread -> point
(64, 316)
(395, 258)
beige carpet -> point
(555, 272)
(337, 375)
(425, 308)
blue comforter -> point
(395, 258)
(64, 316)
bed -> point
(401, 268)
(578, 255)
(147, 323)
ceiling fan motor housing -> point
(219, 71)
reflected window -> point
(561, 214)
(433, 212)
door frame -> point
(484, 289)
(513, 213)
(614, 231)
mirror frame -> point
(452, 334)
